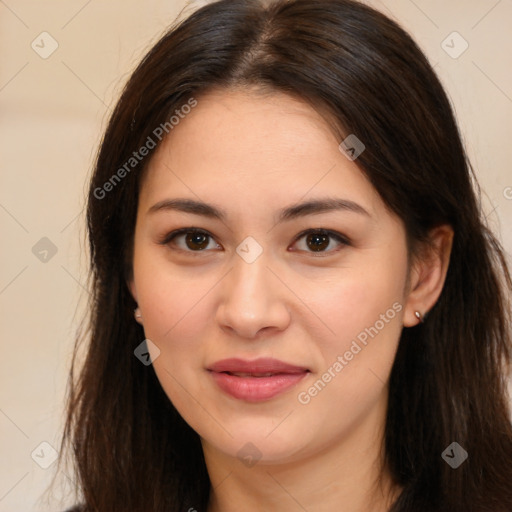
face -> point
(255, 275)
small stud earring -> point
(137, 314)
(419, 316)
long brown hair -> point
(132, 450)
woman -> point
(296, 303)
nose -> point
(252, 300)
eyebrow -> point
(289, 213)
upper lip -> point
(261, 365)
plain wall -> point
(52, 113)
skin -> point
(251, 155)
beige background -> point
(53, 111)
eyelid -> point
(339, 237)
(168, 237)
(343, 240)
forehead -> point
(244, 143)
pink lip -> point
(253, 388)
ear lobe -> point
(136, 312)
(428, 275)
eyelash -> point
(343, 240)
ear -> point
(428, 274)
(137, 313)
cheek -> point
(362, 296)
(167, 295)
(365, 315)
(364, 309)
(174, 319)
(173, 309)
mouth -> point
(255, 381)
(256, 375)
(256, 367)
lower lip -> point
(256, 389)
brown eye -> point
(317, 242)
(321, 241)
(190, 240)
(196, 241)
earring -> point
(419, 316)
(137, 314)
